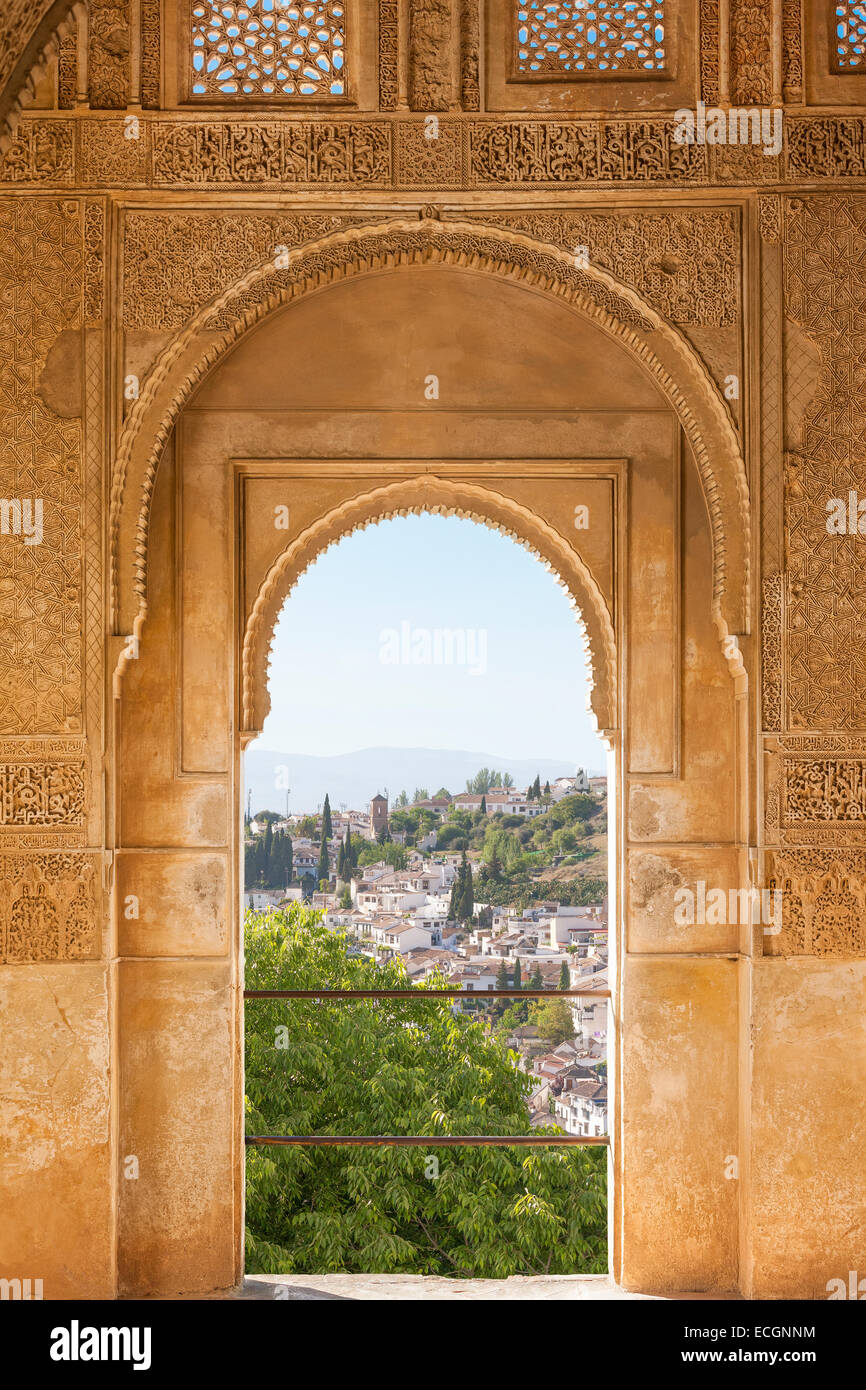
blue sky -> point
(356, 662)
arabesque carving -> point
(108, 59)
(771, 652)
(44, 794)
(685, 264)
(823, 903)
(109, 157)
(67, 69)
(423, 162)
(172, 269)
(279, 151)
(825, 238)
(430, 26)
(709, 51)
(826, 147)
(244, 153)
(770, 217)
(150, 53)
(792, 50)
(750, 30)
(41, 282)
(818, 790)
(42, 152)
(703, 413)
(576, 152)
(388, 61)
(48, 907)
(470, 90)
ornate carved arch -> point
(38, 26)
(427, 493)
(593, 293)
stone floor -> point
(366, 1287)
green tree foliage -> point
(564, 976)
(452, 837)
(486, 778)
(327, 827)
(267, 817)
(390, 853)
(402, 799)
(553, 1020)
(420, 795)
(395, 1067)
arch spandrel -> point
(590, 292)
(427, 493)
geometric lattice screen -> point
(268, 48)
(575, 36)
(850, 37)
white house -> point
(570, 786)
(583, 1109)
(400, 936)
(566, 924)
(260, 899)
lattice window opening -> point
(576, 37)
(270, 48)
(849, 36)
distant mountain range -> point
(350, 779)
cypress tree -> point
(537, 981)
(465, 900)
(500, 1005)
(456, 894)
(564, 976)
(327, 828)
(483, 807)
(518, 980)
(324, 868)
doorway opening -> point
(425, 885)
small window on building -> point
(576, 38)
(268, 48)
(848, 47)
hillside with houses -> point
(495, 887)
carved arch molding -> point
(592, 293)
(445, 498)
